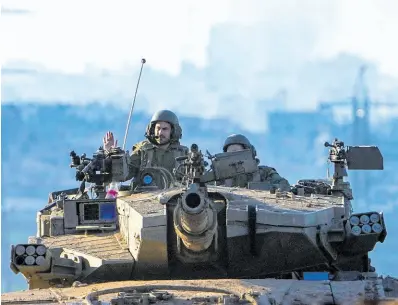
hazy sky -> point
(234, 60)
(209, 58)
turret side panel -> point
(280, 241)
(147, 231)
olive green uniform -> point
(145, 154)
(264, 174)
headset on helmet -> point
(164, 116)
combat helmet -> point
(165, 116)
(239, 139)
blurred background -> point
(289, 77)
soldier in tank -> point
(161, 147)
(237, 142)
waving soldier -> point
(161, 147)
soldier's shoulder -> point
(267, 171)
(266, 168)
(141, 145)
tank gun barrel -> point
(194, 212)
(195, 219)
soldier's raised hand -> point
(109, 141)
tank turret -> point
(195, 221)
(178, 226)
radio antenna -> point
(143, 61)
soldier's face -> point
(163, 132)
(235, 147)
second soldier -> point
(237, 142)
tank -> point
(182, 238)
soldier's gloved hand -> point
(109, 141)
